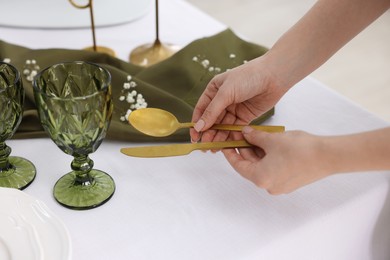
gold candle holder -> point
(151, 53)
(95, 48)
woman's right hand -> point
(237, 96)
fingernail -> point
(247, 130)
(199, 125)
(194, 141)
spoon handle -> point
(265, 128)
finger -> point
(237, 135)
(228, 119)
(204, 100)
(208, 136)
(258, 138)
(213, 111)
(252, 154)
(238, 163)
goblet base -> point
(102, 49)
(21, 173)
(73, 195)
(149, 54)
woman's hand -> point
(280, 162)
(237, 96)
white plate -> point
(61, 14)
(29, 230)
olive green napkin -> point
(174, 84)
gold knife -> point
(180, 149)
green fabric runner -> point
(174, 84)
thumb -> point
(255, 137)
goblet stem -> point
(84, 187)
(82, 165)
(5, 151)
(15, 172)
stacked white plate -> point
(29, 229)
(61, 14)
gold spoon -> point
(157, 122)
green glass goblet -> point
(15, 172)
(75, 107)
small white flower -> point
(28, 62)
(130, 99)
(128, 113)
(217, 69)
(26, 72)
(205, 63)
(211, 69)
(126, 85)
(195, 59)
(135, 99)
(7, 60)
(232, 56)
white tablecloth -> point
(196, 206)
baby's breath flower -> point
(211, 67)
(126, 85)
(205, 63)
(132, 97)
(31, 69)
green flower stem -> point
(82, 165)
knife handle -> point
(221, 145)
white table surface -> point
(196, 206)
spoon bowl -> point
(155, 122)
(159, 123)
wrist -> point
(357, 152)
(279, 71)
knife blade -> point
(180, 149)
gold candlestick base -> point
(149, 54)
(102, 49)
